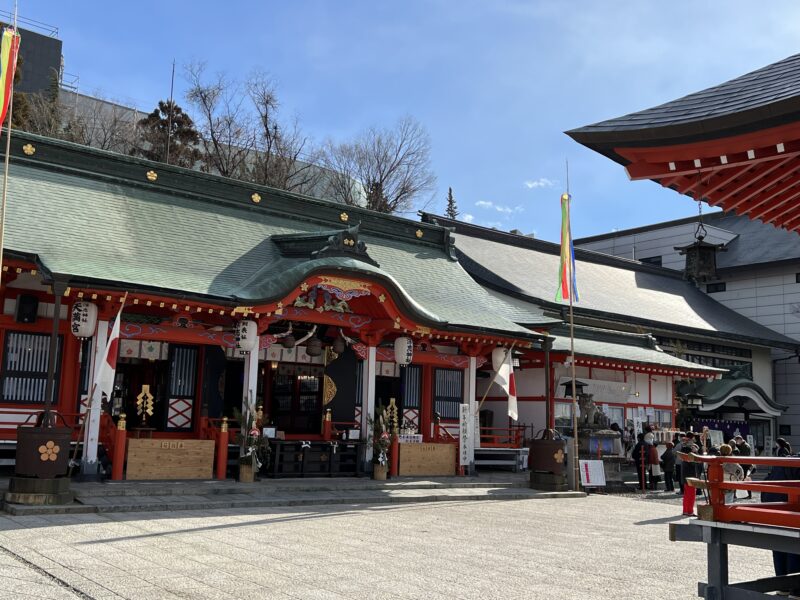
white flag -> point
(505, 379)
(104, 381)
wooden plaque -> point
(170, 459)
(427, 459)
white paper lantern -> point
(498, 357)
(246, 334)
(403, 350)
(83, 319)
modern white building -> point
(757, 275)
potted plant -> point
(381, 442)
(254, 448)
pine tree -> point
(451, 211)
(183, 138)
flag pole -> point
(8, 154)
(575, 464)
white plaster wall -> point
(661, 389)
(531, 412)
(530, 382)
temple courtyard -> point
(594, 547)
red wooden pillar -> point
(120, 445)
(327, 426)
(222, 449)
(394, 456)
(551, 400)
(426, 409)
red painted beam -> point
(778, 208)
(770, 188)
(759, 174)
(650, 170)
(718, 181)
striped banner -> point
(9, 48)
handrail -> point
(506, 437)
(781, 514)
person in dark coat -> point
(668, 466)
(745, 450)
(784, 563)
(639, 458)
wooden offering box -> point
(427, 460)
(170, 459)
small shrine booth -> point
(309, 317)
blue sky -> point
(495, 83)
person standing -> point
(784, 562)
(745, 450)
(678, 441)
(784, 448)
(731, 472)
(639, 457)
(668, 466)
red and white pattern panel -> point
(179, 415)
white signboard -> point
(716, 437)
(463, 434)
(767, 446)
(592, 473)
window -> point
(25, 366)
(713, 288)
(617, 415)
(664, 418)
(797, 278)
(448, 392)
(411, 386)
(784, 430)
(651, 260)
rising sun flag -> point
(9, 48)
(567, 256)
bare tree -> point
(284, 157)
(227, 137)
(393, 165)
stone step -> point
(140, 488)
(233, 501)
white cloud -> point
(484, 204)
(468, 218)
(508, 209)
(542, 182)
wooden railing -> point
(502, 437)
(782, 514)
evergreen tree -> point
(183, 138)
(451, 211)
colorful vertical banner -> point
(567, 256)
(9, 49)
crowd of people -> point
(651, 465)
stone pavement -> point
(595, 547)
(134, 496)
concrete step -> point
(233, 501)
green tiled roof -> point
(628, 348)
(93, 216)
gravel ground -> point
(595, 547)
